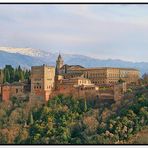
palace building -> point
(75, 80)
(99, 75)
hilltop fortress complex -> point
(104, 83)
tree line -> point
(10, 74)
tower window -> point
(16, 90)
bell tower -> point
(59, 64)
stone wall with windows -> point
(42, 82)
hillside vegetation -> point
(65, 120)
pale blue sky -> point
(100, 31)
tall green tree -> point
(16, 77)
(21, 76)
(7, 74)
(31, 120)
(85, 105)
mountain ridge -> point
(27, 57)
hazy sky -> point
(100, 31)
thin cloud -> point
(102, 31)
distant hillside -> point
(26, 57)
(16, 59)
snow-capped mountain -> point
(25, 51)
(27, 57)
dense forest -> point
(66, 120)
(10, 74)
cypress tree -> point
(31, 119)
(4, 79)
(7, 76)
(21, 76)
(85, 105)
(16, 78)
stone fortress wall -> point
(76, 80)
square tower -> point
(42, 82)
